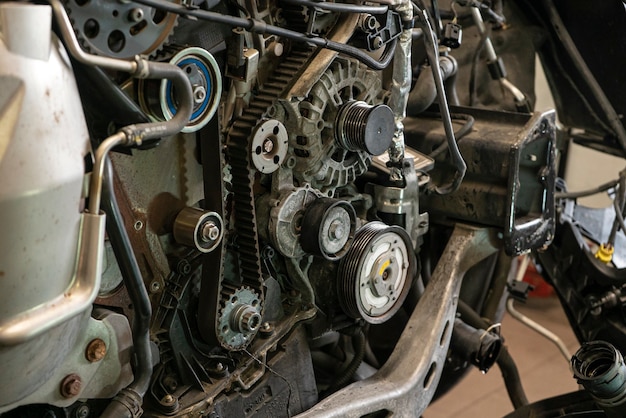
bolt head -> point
(199, 94)
(210, 232)
(70, 386)
(96, 350)
(336, 230)
(268, 146)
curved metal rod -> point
(78, 296)
(406, 383)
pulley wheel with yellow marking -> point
(376, 274)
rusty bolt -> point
(70, 386)
(96, 350)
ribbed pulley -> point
(363, 127)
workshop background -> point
(544, 370)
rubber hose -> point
(505, 362)
(358, 342)
(423, 94)
(127, 404)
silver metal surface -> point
(406, 383)
(101, 379)
(67, 32)
(120, 29)
(401, 85)
(375, 275)
(286, 218)
(75, 299)
(206, 81)
(240, 318)
(270, 143)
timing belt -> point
(245, 224)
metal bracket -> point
(406, 383)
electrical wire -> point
(430, 42)
(589, 192)
(261, 27)
(463, 131)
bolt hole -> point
(138, 225)
(276, 130)
(430, 375)
(91, 28)
(115, 13)
(444, 333)
(116, 41)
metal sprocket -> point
(120, 29)
(239, 318)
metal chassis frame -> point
(406, 383)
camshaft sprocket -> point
(120, 29)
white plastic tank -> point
(43, 142)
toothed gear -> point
(239, 318)
(120, 29)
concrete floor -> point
(543, 368)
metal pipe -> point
(67, 32)
(538, 328)
(78, 297)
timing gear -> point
(120, 29)
(320, 159)
(375, 276)
(240, 318)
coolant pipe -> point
(425, 91)
(480, 347)
(599, 367)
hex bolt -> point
(219, 367)
(168, 399)
(135, 15)
(377, 42)
(82, 412)
(210, 231)
(336, 231)
(155, 286)
(199, 94)
(266, 329)
(268, 145)
(70, 386)
(96, 350)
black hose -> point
(184, 98)
(127, 404)
(463, 131)
(505, 362)
(589, 192)
(358, 342)
(430, 42)
(258, 26)
(423, 94)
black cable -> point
(130, 398)
(340, 7)
(505, 362)
(589, 192)
(358, 343)
(432, 51)
(258, 26)
(618, 203)
(463, 131)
